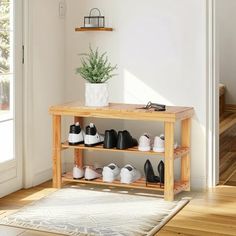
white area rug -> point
(74, 211)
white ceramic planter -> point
(96, 95)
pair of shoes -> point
(122, 140)
(127, 175)
(145, 143)
(90, 137)
(150, 175)
(88, 172)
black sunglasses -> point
(156, 106)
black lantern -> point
(94, 21)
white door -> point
(10, 96)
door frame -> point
(28, 93)
(212, 97)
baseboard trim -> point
(43, 176)
(230, 107)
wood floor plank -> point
(174, 231)
(209, 227)
(216, 218)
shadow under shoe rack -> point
(128, 112)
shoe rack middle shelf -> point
(178, 152)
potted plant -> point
(4, 94)
(96, 70)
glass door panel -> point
(6, 80)
(10, 95)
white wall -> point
(160, 49)
(226, 37)
(46, 85)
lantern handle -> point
(90, 13)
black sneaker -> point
(125, 140)
(76, 134)
(92, 137)
(110, 139)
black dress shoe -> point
(110, 140)
(125, 140)
(149, 173)
(161, 171)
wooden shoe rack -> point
(128, 112)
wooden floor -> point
(228, 149)
(208, 214)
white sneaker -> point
(78, 172)
(92, 137)
(176, 145)
(92, 173)
(159, 144)
(76, 135)
(129, 174)
(110, 173)
(144, 143)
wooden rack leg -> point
(57, 151)
(78, 156)
(169, 161)
(185, 142)
(78, 153)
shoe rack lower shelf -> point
(139, 184)
(178, 152)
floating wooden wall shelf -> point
(93, 29)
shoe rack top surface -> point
(122, 111)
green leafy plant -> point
(95, 68)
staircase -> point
(227, 141)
